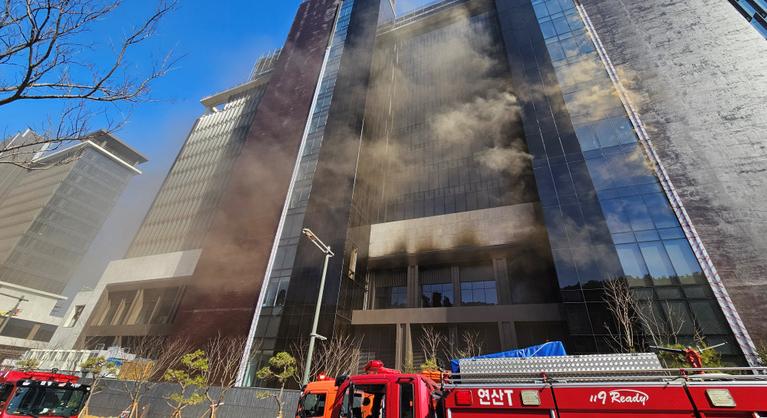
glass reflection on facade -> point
(755, 11)
(183, 209)
(281, 265)
(478, 114)
(654, 255)
(58, 211)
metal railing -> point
(417, 14)
(665, 375)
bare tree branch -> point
(624, 310)
(432, 343)
(224, 356)
(639, 321)
(154, 355)
(470, 344)
(339, 355)
(44, 55)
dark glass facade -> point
(605, 211)
(755, 11)
(480, 172)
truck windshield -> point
(46, 401)
(313, 405)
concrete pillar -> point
(400, 346)
(408, 346)
(453, 338)
(413, 287)
(508, 335)
(503, 287)
(455, 273)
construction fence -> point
(113, 399)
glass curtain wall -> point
(282, 263)
(755, 11)
(47, 254)
(447, 137)
(184, 207)
(654, 254)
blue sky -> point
(217, 42)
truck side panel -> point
(732, 400)
(526, 401)
(625, 401)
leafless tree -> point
(154, 356)
(338, 355)
(634, 317)
(45, 54)
(98, 368)
(624, 310)
(761, 349)
(469, 344)
(659, 330)
(432, 344)
(224, 356)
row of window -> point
(476, 284)
(138, 307)
(27, 330)
(182, 211)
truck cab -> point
(382, 396)
(379, 393)
(40, 394)
(690, 393)
(317, 398)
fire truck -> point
(40, 394)
(566, 387)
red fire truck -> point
(40, 394)
(694, 393)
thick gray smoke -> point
(455, 73)
(486, 117)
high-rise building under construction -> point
(481, 169)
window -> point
(313, 405)
(478, 284)
(709, 317)
(479, 293)
(391, 297)
(163, 312)
(548, 30)
(44, 333)
(657, 261)
(36, 401)
(436, 287)
(277, 291)
(631, 261)
(149, 300)
(406, 404)
(17, 328)
(370, 400)
(5, 391)
(118, 305)
(660, 211)
(437, 295)
(684, 261)
(390, 288)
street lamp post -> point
(314, 336)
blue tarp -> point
(549, 349)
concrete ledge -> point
(478, 228)
(544, 312)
